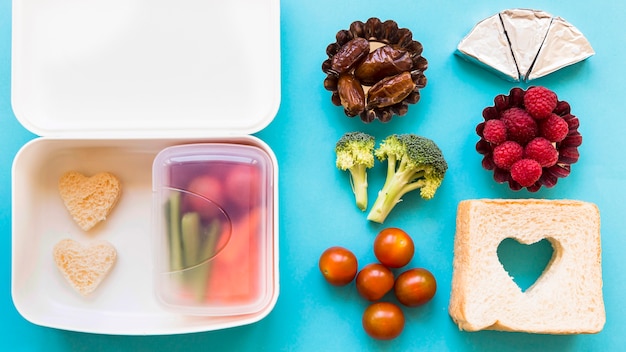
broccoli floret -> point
(413, 162)
(355, 153)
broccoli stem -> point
(358, 175)
(397, 184)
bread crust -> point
(567, 297)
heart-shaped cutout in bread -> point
(89, 199)
(84, 266)
(525, 263)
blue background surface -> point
(316, 204)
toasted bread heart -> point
(84, 266)
(89, 199)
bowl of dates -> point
(374, 70)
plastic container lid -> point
(214, 228)
(145, 69)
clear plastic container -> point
(214, 228)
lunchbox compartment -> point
(125, 303)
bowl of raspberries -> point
(528, 138)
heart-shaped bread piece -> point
(84, 266)
(89, 199)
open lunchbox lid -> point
(162, 68)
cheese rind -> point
(524, 44)
(564, 45)
(526, 31)
(487, 46)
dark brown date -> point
(390, 90)
(349, 55)
(351, 94)
(383, 62)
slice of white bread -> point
(89, 199)
(84, 266)
(567, 297)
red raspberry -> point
(526, 172)
(506, 154)
(494, 131)
(540, 102)
(554, 128)
(520, 126)
(541, 150)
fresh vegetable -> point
(192, 244)
(393, 247)
(413, 162)
(216, 228)
(338, 265)
(383, 320)
(374, 281)
(173, 215)
(237, 270)
(242, 185)
(206, 196)
(199, 244)
(190, 235)
(355, 153)
(415, 287)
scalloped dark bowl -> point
(567, 148)
(385, 33)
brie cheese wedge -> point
(524, 44)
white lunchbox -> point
(108, 85)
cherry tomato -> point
(374, 281)
(393, 247)
(208, 187)
(243, 185)
(383, 320)
(338, 265)
(415, 287)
